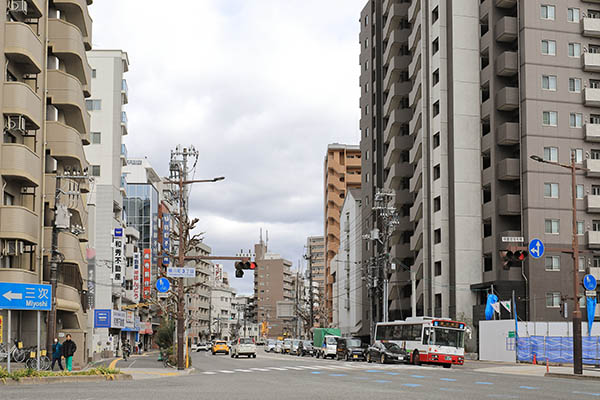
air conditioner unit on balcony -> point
(17, 6)
(15, 123)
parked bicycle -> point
(16, 351)
(32, 362)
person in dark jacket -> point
(68, 349)
(57, 355)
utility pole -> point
(577, 345)
(310, 287)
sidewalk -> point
(540, 370)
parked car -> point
(270, 345)
(295, 347)
(350, 349)
(279, 346)
(287, 345)
(385, 352)
(200, 347)
(243, 347)
(220, 346)
(305, 348)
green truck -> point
(325, 341)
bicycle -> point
(16, 354)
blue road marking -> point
(337, 374)
(588, 393)
(528, 387)
(373, 370)
(316, 372)
(448, 379)
(382, 381)
(483, 383)
(412, 384)
(392, 373)
(417, 376)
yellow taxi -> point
(220, 346)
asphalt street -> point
(273, 376)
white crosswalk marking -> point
(226, 372)
(259, 369)
(277, 368)
(294, 368)
(209, 373)
(242, 370)
(307, 367)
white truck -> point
(243, 347)
(329, 347)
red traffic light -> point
(520, 255)
(252, 265)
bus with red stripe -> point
(428, 340)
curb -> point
(572, 376)
(43, 380)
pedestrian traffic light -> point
(511, 259)
(240, 266)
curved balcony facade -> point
(76, 12)
(69, 245)
(65, 142)
(19, 223)
(66, 92)
(20, 163)
(20, 99)
(23, 46)
(18, 275)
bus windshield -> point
(449, 337)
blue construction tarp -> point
(558, 349)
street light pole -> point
(577, 346)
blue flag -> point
(489, 310)
(591, 311)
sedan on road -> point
(385, 352)
(270, 345)
(200, 347)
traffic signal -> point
(511, 259)
(240, 266)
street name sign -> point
(177, 272)
(25, 296)
(536, 248)
(512, 239)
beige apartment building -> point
(342, 172)
(274, 292)
(315, 253)
(46, 125)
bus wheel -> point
(447, 365)
(415, 358)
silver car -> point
(270, 345)
(295, 346)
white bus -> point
(427, 340)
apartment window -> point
(436, 77)
(549, 118)
(575, 120)
(93, 73)
(366, 20)
(366, 88)
(437, 236)
(548, 12)
(435, 46)
(549, 82)
(96, 137)
(367, 109)
(435, 14)
(553, 299)
(436, 140)
(438, 268)
(578, 155)
(595, 83)
(366, 43)
(551, 190)
(95, 170)
(9, 199)
(574, 49)
(573, 15)
(596, 262)
(582, 264)
(595, 154)
(574, 85)
(549, 47)
(366, 65)
(552, 263)
(438, 302)
(580, 227)
(367, 177)
(579, 192)
(367, 132)
(596, 225)
(436, 108)
(552, 226)
(93, 105)
(436, 172)
(437, 204)
(595, 190)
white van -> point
(243, 347)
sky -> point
(259, 88)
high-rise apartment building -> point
(273, 291)
(455, 98)
(341, 172)
(315, 253)
(46, 125)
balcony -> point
(67, 298)
(65, 143)
(124, 154)
(415, 93)
(23, 46)
(393, 19)
(393, 72)
(590, 27)
(507, 99)
(393, 98)
(505, 3)
(590, 62)
(416, 151)
(509, 204)
(18, 275)
(507, 64)
(65, 92)
(395, 40)
(20, 99)
(415, 37)
(65, 40)
(396, 173)
(124, 92)
(69, 245)
(592, 132)
(509, 169)
(591, 97)
(416, 240)
(592, 167)
(506, 29)
(19, 223)
(413, 11)
(76, 12)
(124, 122)
(507, 134)
(592, 203)
(415, 64)
(416, 211)
(20, 163)
(415, 182)
(593, 239)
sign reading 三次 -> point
(25, 296)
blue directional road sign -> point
(589, 282)
(163, 285)
(24, 296)
(536, 248)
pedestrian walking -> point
(68, 349)
(57, 355)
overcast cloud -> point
(259, 87)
